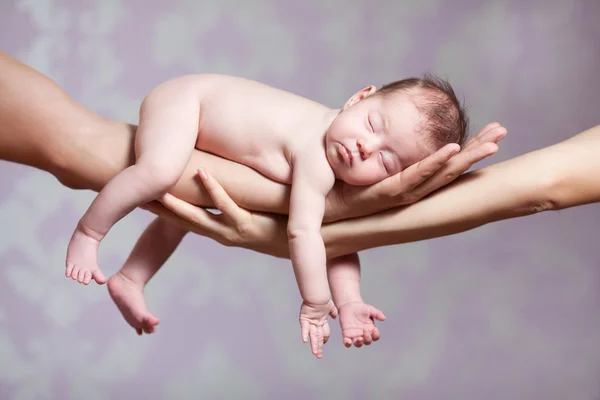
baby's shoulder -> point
(311, 161)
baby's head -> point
(379, 133)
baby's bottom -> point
(152, 250)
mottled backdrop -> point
(507, 311)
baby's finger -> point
(367, 337)
(321, 338)
(347, 342)
(326, 332)
(334, 312)
(376, 314)
(314, 339)
(304, 327)
(375, 334)
(358, 342)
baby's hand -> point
(313, 323)
(357, 321)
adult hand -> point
(234, 226)
(416, 181)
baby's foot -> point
(129, 298)
(82, 259)
(357, 321)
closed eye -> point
(370, 124)
(383, 162)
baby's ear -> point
(360, 95)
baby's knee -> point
(161, 176)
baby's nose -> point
(364, 148)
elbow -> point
(294, 233)
(547, 195)
(155, 175)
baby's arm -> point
(356, 317)
(311, 182)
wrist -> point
(338, 203)
(317, 301)
(350, 294)
(344, 304)
(350, 201)
(347, 298)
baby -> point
(285, 137)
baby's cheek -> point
(372, 173)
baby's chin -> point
(357, 180)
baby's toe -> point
(81, 275)
(75, 272)
(87, 278)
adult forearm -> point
(575, 166)
(560, 176)
(26, 97)
(246, 187)
(41, 126)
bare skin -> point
(557, 177)
(285, 137)
(43, 127)
(126, 288)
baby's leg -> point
(356, 317)
(165, 139)
(152, 250)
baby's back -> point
(252, 123)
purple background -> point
(507, 311)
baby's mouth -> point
(345, 154)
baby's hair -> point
(444, 117)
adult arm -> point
(556, 177)
(41, 126)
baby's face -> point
(374, 137)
